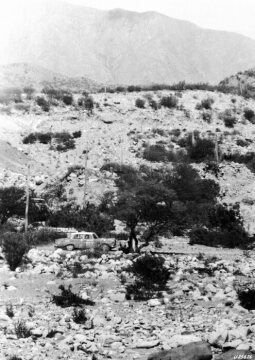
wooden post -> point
(85, 179)
(27, 198)
(216, 149)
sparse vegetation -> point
(170, 101)
(14, 247)
(67, 298)
(21, 329)
(140, 103)
(249, 115)
(9, 310)
(205, 104)
(150, 276)
(79, 316)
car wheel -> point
(69, 247)
(105, 248)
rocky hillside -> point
(119, 131)
(242, 83)
(20, 75)
(119, 46)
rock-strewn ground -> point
(200, 304)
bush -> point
(14, 247)
(150, 275)
(243, 143)
(246, 295)
(207, 117)
(77, 134)
(140, 103)
(154, 104)
(249, 115)
(205, 104)
(29, 139)
(235, 238)
(169, 101)
(67, 99)
(155, 153)
(43, 103)
(79, 316)
(230, 121)
(67, 298)
(9, 310)
(21, 329)
(42, 236)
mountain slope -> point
(119, 46)
(24, 74)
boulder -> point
(179, 340)
(236, 354)
(191, 351)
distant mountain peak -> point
(121, 46)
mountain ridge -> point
(124, 47)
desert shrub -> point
(230, 121)
(21, 329)
(77, 134)
(201, 150)
(175, 132)
(64, 141)
(225, 229)
(133, 88)
(42, 236)
(198, 149)
(150, 276)
(140, 103)
(87, 102)
(44, 138)
(235, 238)
(248, 159)
(67, 298)
(159, 131)
(207, 117)
(43, 103)
(246, 295)
(155, 153)
(154, 104)
(205, 104)
(249, 115)
(29, 139)
(243, 143)
(14, 247)
(170, 101)
(67, 99)
(117, 168)
(79, 316)
(9, 310)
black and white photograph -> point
(127, 180)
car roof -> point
(84, 232)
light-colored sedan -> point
(85, 240)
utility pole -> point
(28, 177)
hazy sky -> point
(231, 15)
